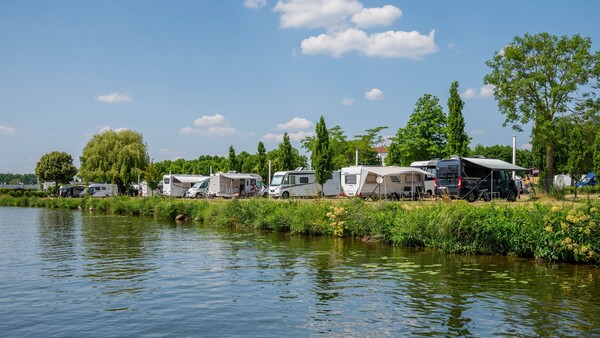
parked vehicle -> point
(302, 183)
(199, 189)
(562, 180)
(70, 190)
(383, 182)
(430, 167)
(474, 178)
(102, 190)
(588, 180)
(232, 184)
(177, 185)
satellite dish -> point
(379, 179)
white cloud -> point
(167, 151)
(299, 136)
(296, 123)
(219, 131)
(483, 92)
(486, 91)
(526, 146)
(379, 16)
(399, 44)
(107, 128)
(478, 132)
(316, 13)
(6, 130)
(347, 101)
(374, 94)
(210, 120)
(114, 98)
(255, 3)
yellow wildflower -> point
(555, 208)
(549, 228)
(568, 240)
(563, 225)
(593, 210)
(587, 231)
(570, 247)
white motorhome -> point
(302, 183)
(430, 167)
(383, 182)
(232, 184)
(178, 185)
(199, 189)
(102, 190)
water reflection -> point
(56, 234)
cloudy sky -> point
(195, 77)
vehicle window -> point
(350, 179)
(276, 180)
(167, 181)
(395, 179)
(304, 180)
(292, 179)
(371, 178)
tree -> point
(56, 166)
(458, 140)
(424, 136)
(597, 155)
(114, 157)
(538, 78)
(152, 176)
(577, 155)
(232, 159)
(263, 168)
(322, 156)
(285, 151)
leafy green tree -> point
(458, 140)
(597, 155)
(114, 157)
(504, 153)
(262, 168)
(321, 157)
(152, 176)
(56, 166)
(233, 164)
(423, 137)
(286, 153)
(577, 155)
(538, 78)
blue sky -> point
(195, 77)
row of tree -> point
(544, 80)
(27, 179)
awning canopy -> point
(240, 176)
(494, 164)
(188, 179)
(385, 172)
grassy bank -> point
(566, 232)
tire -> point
(285, 195)
(471, 197)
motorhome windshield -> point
(276, 181)
(197, 184)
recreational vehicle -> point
(102, 190)
(70, 190)
(473, 178)
(383, 182)
(199, 189)
(430, 167)
(232, 184)
(178, 185)
(302, 183)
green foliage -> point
(285, 151)
(538, 78)
(8, 178)
(597, 154)
(578, 153)
(262, 167)
(458, 140)
(114, 157)
(321, 157)
(152, 176)
(233, 163)
(56, 167)
(424, 136)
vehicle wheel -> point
(471, 197)
(285, 195)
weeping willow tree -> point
(116, 157)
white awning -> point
(188, 179)
(390, 171)
(494, 164)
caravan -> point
(430, 167)
(232, 184)
(383, 182)
(178, 185)
(302, 183)
(102, 190)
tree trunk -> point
(549, 180)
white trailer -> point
(383, 182)
(302, 183)
(102, 190)
(178, 185)
(232, 184)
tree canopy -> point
(56, 166)
(114, 157)
(321, 157)
(538, 78)
(457, 138)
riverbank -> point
(565, 232)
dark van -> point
(473, 178)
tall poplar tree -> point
(263, 169)
(286, 153)
(457, 138)
(233, 163)
(322, 155)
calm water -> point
(68, 273)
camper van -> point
(471, 178)
(199, 189)
(70, 190)
(178, 185)
(232, 184)
(383, 182)
(302, 183)
(102, 190)
(430, 167)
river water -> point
(72, 274)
